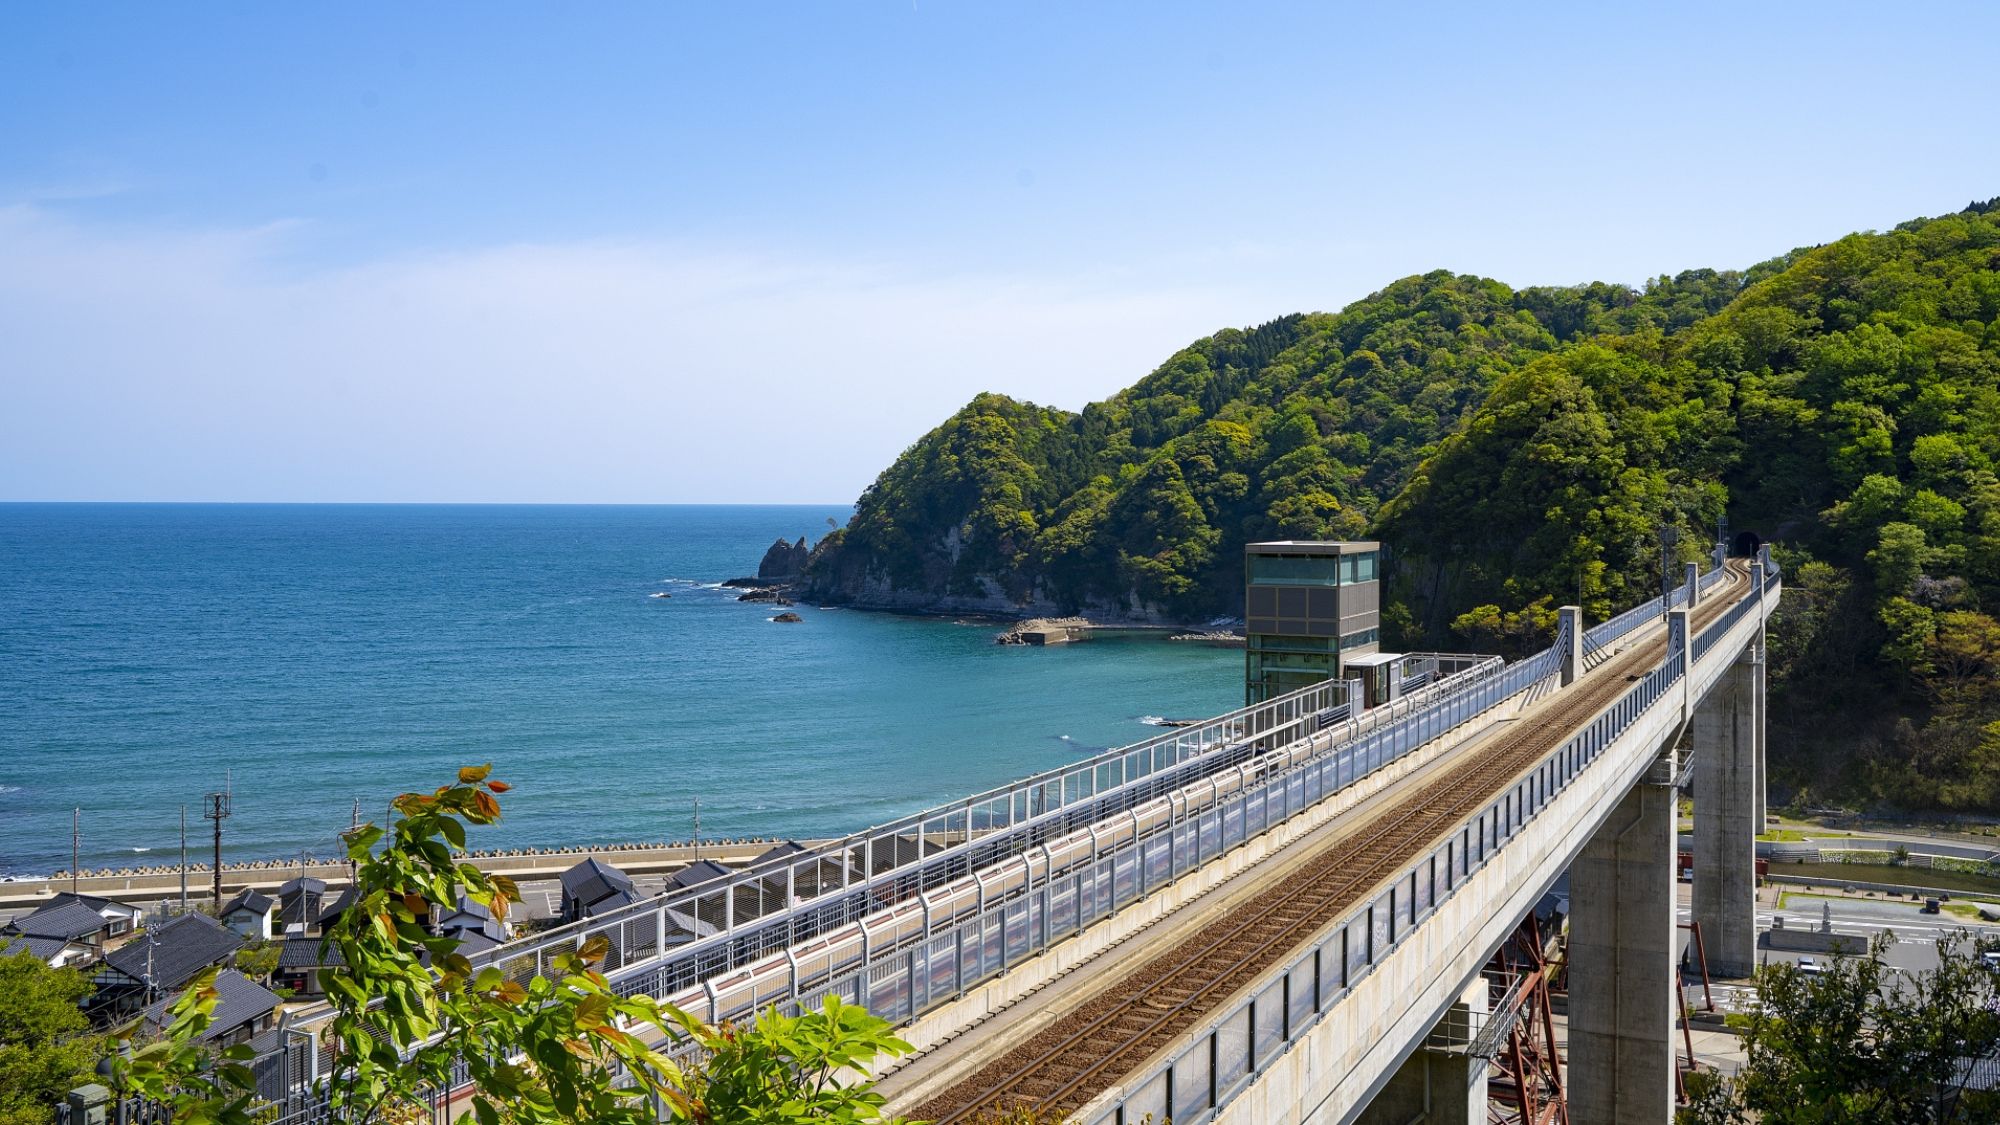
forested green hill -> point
(1518, 449)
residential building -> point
(159, 962)
(243, 1008)
(594, 887)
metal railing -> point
(911, 958)
(770, 905)
(1221, 1059)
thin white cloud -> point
(204, 364)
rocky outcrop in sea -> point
(784, 560)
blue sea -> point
(309, 656)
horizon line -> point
(455, 503)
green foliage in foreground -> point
(1862, 1044)
(545, 1051)
(44, 1049)
(1517, 450)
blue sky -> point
(604, 252)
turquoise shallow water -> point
(324, 653)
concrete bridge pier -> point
(1441, 1083)
(1621, 964)
(1728, 784)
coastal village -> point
(141, 942)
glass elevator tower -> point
(1306, 606)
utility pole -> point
(184, 859)
(354, 825)
(697, 828)
(75, 845)
(218, 810)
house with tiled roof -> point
(472, 919)
(120, 918)
(300, 903)
(300, 961)
(252, 914)
(594, 887)
(64, 932)
(59, 953)
(159, 962)
(243, 1008)
(699, 872)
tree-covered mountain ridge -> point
(1516, 449)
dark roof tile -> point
(256, 902)
(307, 953)
(70, 920)
(594, 883)
(179, 950)
(699, 872)
(41, 948)
(239, 1000)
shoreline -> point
(1083, 618)
(156, 880)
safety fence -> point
(908, 956)
(794, 896)
(1762, 577)
(1221, 1059)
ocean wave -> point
(1153, 720)
(6, 789)
(142, 849)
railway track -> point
(1065, 1064)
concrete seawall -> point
(633, 859)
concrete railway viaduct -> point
(1281, 914)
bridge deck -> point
(961, 1050)
(1136, 1014)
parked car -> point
(1810, 968)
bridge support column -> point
(1693, 584)
(1570, 617)
(1440, 1083)
(1621, 966)
(1728, 754)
